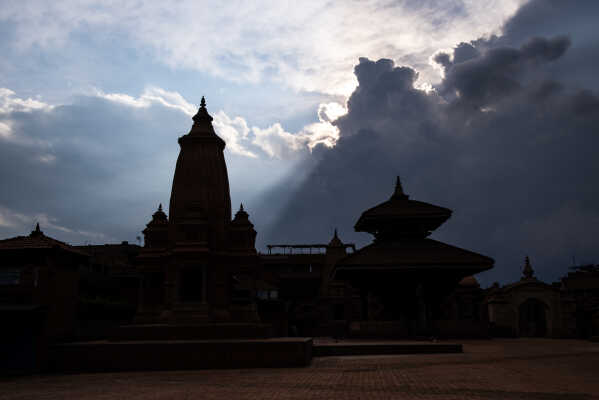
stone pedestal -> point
(195, 313)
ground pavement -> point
(543, 369)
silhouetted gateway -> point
(200, 267)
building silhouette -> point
(532, 308)
(199, 276)
(200, 266)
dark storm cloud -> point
(507, 141)
(484, 78)
(547, 18)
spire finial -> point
(398, 188)
(398, 192)
(528, 272)
(202, 114)
(37, 231)
(335, 241)
(241, 207)
(160, 207)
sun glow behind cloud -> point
(277, 79)
(308, 45)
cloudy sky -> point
(489, 108)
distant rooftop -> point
(36, 240)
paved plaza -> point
(488, 369)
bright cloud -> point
(10, 103)
(308, 45)
(234, 132)
(151, 95)
(274, 140)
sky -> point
(490, 108)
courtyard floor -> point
(488, 369)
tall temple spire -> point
(200, 188)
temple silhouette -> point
(199, 277)
(200, 266)
(193, 258)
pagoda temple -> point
(411, 273)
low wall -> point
(462, 329)
(179, 355)
(360, 349)
(403, 330)
(192, 332)
(378, 329)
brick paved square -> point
(488, 369)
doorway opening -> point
(533, 318)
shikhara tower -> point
(200, 206)
(197, 264)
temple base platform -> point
(329, 348)
(204, 331)
(105, 356)
(162, 355)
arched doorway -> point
(533, 318)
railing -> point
(305, 248)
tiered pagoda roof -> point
(400, 227)
(417, 254)
(400, 216)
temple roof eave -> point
(407, 207)
(189, 138)
(37, 242)
(426, 253)
(371, 269)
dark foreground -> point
(494, 369)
